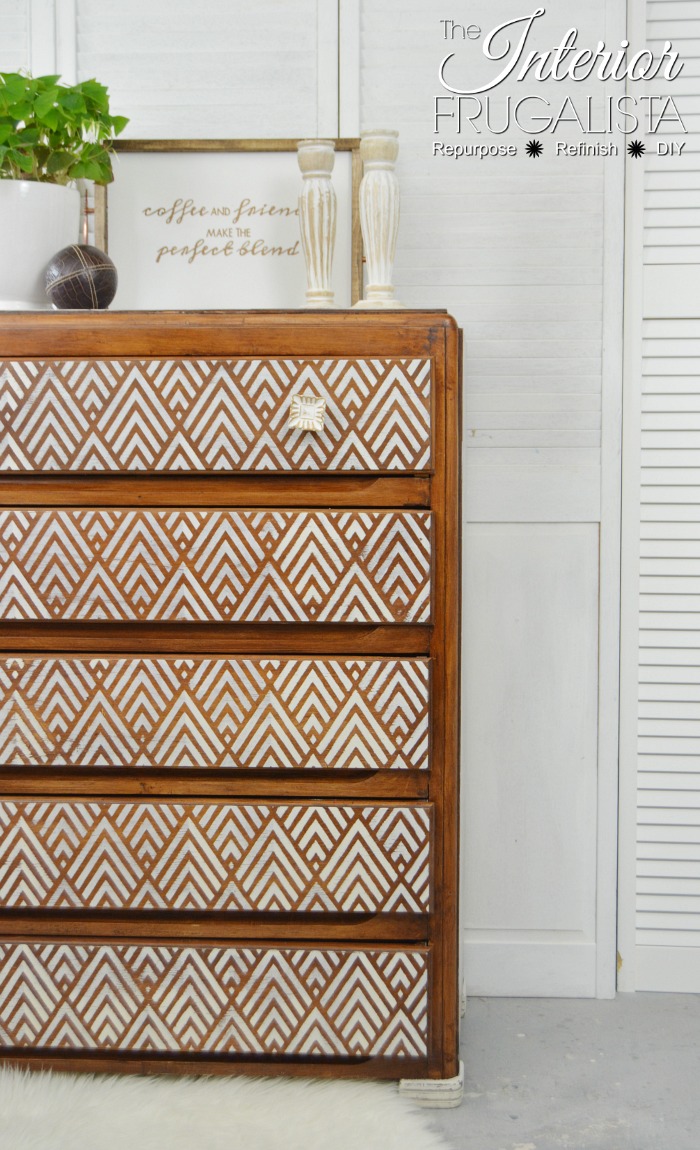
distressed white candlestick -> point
(317, 215)
(379, 215)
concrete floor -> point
(542, 1074)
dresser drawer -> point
(244, 1000)
(247, 712)
(214, 414)
(349, 858)
(229, 692)
(232, 566)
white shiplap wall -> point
(527, 255)
(213, 69)
(14, 35)
(660, 855)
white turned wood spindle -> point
(379, 215)
(317, 219)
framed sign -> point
(215, 224)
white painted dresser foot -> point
(435, 1093)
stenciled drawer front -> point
(232, 566)
(215, 856)
(214, 415)
(245, 712)
(245, 1000)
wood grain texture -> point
(260, 1066)
(275, 926)
(450, 837)
(213, 415)
(216, 490)
(214, 999)
(244, 566)
(214, 857)
(273, 638)
(444, 778)
(253, 333)
(248, 713)
(405, 1044)
(214, 784)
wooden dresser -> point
(229, 692)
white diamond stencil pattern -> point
(242, 566)
(221, 1000)
(233, 712)
(215, 856)
(213, 415)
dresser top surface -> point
(34, 334)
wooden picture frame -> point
(172, 200)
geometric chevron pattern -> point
(212, 415)
(155, 902)
(214, 999)
(220, 711)
(243, 566)
(214, 856)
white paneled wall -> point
(530, 765)
(14, 35)
(527, 255)
(208, 70)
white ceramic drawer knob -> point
(307, 412)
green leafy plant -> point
(53, 132)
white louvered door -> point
(660, 902)
(668, 781)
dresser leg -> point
(434, 1093)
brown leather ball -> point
(81, 276)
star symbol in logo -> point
(534, 149)
(636, 148)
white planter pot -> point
(36, 221)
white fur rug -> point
(85, 1112)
